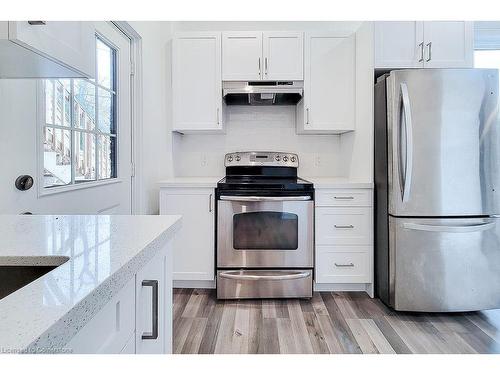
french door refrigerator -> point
(437, 171)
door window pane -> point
(56, 157)
(107, 157)
(49, 102)
(106, 113)
(84, 104)
(105, 65)
(85, 156)
(265, 230)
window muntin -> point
(80, 132)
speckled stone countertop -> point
(96, 255)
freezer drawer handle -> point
(449, 228)
(289, 276)
(264, 199)
(344, 264)
(154, 313)
(344, 226)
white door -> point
(150, 307)
(399, 44)
(196, 82)
(448, 44)
(329, 84)
(242, 56)
(283, 56)
(194, 246)
(69, 42)
(79, 155)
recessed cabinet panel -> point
(242, 56)
(399, 44)
(328, 106)
(196, 82)
(283, 56)
(448, 44)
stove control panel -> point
(261, 158)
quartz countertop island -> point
(95, 256)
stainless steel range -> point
(265, 228)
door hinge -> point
(132, 169)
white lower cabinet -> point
(194, 246)
(344, 240)
(138, 319)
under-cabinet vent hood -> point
(263, 93)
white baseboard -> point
(195, 284)
(368, 288)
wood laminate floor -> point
(328, 323)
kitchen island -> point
(96, 295)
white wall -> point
(273, 128)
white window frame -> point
(41, 124)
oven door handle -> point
(288, 276)
(264, 199)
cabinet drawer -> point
(343, 197)
(343, 265)
(343, 226)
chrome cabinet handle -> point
(339, 197)
(344, 264)
(265, 65)
(259, 66)
(450, 228)
(421, 45)
(429, 50)
(307, 116)
(154, 310)
(343, 226)
(210, 203)
(264, 199)
(37, 23)
(406, 180)
(237, 276)
(218, 120)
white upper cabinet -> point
(398, 44)
(242, 56)
(256, 55)
(419, 44)
(448, 44)
(196, 82)
(283, 56)
(328, 106)
(47, 49)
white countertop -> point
(319, 182)
(208, 182)
(99, 254)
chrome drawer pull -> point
(343, 197)
(344, 264)
(289, 276)
(344, 226)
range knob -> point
(229, 158)
(285, 158)
(277, 158)
(292, 159)
(237, 158)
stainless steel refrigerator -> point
(437, 171)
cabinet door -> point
(328, 106)
(194, 247)
(70, 43)
(150, 306)
(448, 44)
(283, 56)
(399, 44)
(242, 56)
(196, 82)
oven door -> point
(261, 231)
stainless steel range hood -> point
(262, 93)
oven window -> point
(265, 230)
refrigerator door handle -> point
(406, 181)
(449, 228)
